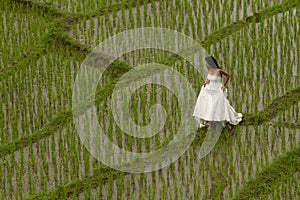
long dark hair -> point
(213, 63)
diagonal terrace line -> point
(278, 104)
(256, 18)
(51, 10)
(102, 174)
(79, 16)
(279, 170)
(22, 62)
(47, 9)
(286, 124)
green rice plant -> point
(64, 141)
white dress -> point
(213, 105)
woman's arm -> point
(226, 74)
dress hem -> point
(238, 120)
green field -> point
(44, 42)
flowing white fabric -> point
(213, 105)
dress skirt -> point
(212, 105)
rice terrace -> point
(45, 42)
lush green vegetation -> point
(43, 45)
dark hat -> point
(212, 62)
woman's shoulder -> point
(219, 70)
(215, 72)
(212, 70)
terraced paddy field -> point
(44, 43)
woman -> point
(212, 103)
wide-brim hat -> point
(212, 62)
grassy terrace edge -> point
(258, 186)
(43, 8)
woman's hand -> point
(205, 83)
(223, 87)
